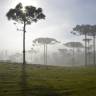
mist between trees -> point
(46, 50)
(57, 53)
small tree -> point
(31, 52)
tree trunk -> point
(88, 52)
(94, 49)
(24, 44)
(31, 58)
(23, 77)
(44, 55)
(73, 61)
(85, 50)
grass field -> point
(48, 81)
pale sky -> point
(61, 17)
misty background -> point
(61, 17)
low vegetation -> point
(48, 80)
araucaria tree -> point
(93, 34)
(74, 45)
(87, 30)
(45, 42)
(83, 30)
(25, 15)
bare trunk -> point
(24, 62)
(23, 77)
(85, 50)
(44, 55)
(94, 48)
(31, 58)
(88, 53)
(73, 63)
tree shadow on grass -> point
(45, 91)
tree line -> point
(30, 14)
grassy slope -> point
(51, 81)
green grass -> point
(48, 81)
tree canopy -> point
(45, 40)
(85, 29)
(74, 44)
(27, 14)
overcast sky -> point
(61, 17)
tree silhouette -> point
(74, 45)
(93, 34)
(25, 15)
(45, 42)
(87, 30)
(83, 30)
(87, 40)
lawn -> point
(47, 81)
